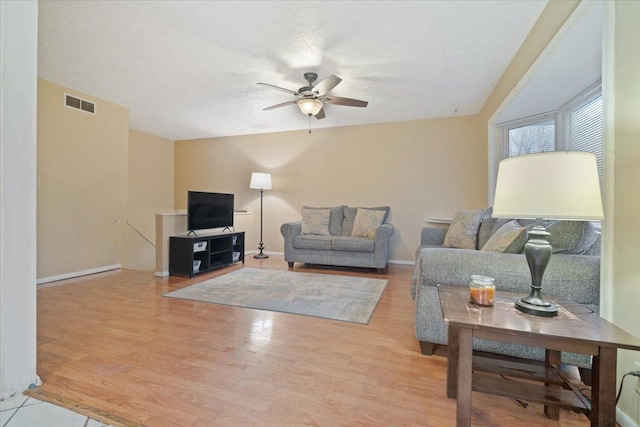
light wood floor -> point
(112, 343)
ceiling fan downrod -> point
(310, 77)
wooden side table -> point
(576, 329)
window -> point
(576, 126)
(533, 138)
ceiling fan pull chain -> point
(309, 123)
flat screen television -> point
(209, 210)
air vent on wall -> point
(79, 104)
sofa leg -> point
(380, 270)
(426, 348)
(290, 264)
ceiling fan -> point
(311, 99)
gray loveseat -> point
(339, 247)
(573, 275)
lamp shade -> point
(260, 181)
(556, 185)
(310, 106)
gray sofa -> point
(572, 275)
(338, 248)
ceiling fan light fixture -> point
(310, 106)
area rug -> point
(346, 298)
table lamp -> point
(260, 181)
(556, 185)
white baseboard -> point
(401, 262)
(161, 274)
(78, 274)
(623, 419)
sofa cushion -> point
(488, 226)
(350, 216)
(510, 238)
(366, 222)
(352, 244)
(571, 237)
(335, 218)
(463, 231)
(315, 221)
(310, 241)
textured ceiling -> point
(189, 70)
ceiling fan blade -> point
(326, 85)
(280, 88)
(320, 114)
(348, 102)
(284, 104)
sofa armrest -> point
(291, 229)
(433, 236)
(384, 233)
(573, 276)
(381, 245)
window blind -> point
(584, 128)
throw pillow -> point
(486, 227)
(315, 221)
(571, 237)
(350, 217)
(335, 218)
(510, 239)
(463, 231)
(366, 222)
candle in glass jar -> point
(482, 289)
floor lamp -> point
(556, 185)
(260, 181)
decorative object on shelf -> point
(556, 185)
(260, 181)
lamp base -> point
(547, 309)
(538, 251)
(260, 248)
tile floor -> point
(24, 411)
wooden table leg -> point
(452, 362)
(465, 359)
(603, 392)
(552, 357)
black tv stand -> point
(190, 255)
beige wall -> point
(419, 168)
(82, 183)
(626, 200)
(151, 181)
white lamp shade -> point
(556, 185)
(310, 106)
(260, 181)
